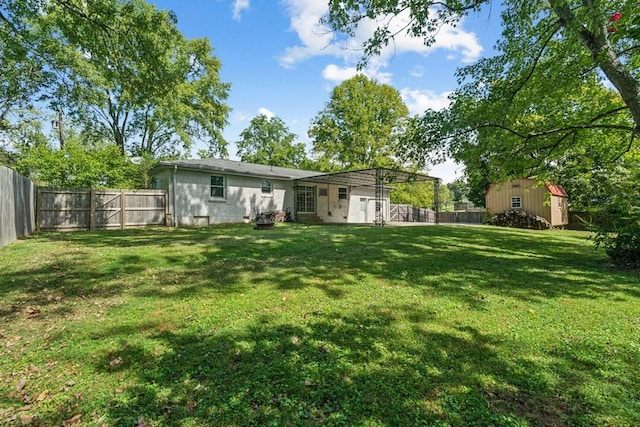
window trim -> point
(516, 200)
(263, 187)
(223, 187)
(306, 191)
(343, 193)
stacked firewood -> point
(275, 216)
(519, 219)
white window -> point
(306, 199)
(266, 186)
(342, 193)
(217, 186)
(516, 202)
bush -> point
(620, 236)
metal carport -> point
(374, 177)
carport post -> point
(379, 219)
(436, 196)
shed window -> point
(342, 193)
(266, 186)
(516, 202)
(322, 192)
(217, 186)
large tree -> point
(561, 97)
(268, 141)
(124, 72)
(359, 126)
(22, 71)
(543, 92)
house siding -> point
(331, 209)
(190, 201)
(193, 204)
(535, 199)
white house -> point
(211, 191)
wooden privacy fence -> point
(17, 214)
(463, 217)
(89, 209)
(408, 213)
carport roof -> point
(367, 177)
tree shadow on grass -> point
(345, 370)
(463, 263)
(342, 369)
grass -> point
(436, 326)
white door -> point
(363, 210)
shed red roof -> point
(556, 190)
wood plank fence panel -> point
(408, 213)
(17, 202)
(90, 209)
(463, 217)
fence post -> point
(122, 209)
(92, 209)
(38, 208)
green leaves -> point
(359, 126)
(420, 19)
(80, 165)
(119, 69)
(268, 141)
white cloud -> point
(239, 117)
(337, 74)
(266, 112)
(417, 72)
(316, 40)
(418, 101)
(238, 7)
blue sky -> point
(280, 61)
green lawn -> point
(393, 326)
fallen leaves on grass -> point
(21, 384)
(75, 420)
(27, 420)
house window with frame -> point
(266, 187)
(516, 202)
(342, 193)
(306, 199)
(217, 186)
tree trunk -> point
(606, 58)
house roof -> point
(358, 178)
(236, 167)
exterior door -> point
(363, 210)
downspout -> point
(173, 196)
(295, 200)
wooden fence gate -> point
(408, 213)
(82, 209)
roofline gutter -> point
(229, 172)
